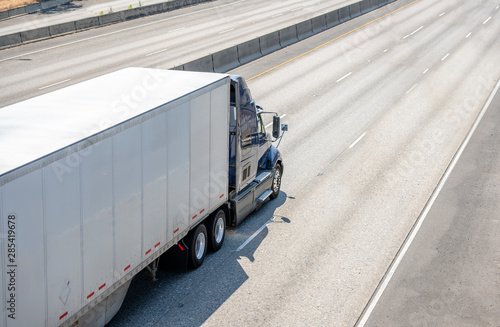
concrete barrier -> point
(203, 64)
(269, 43)
(319, 24)
(332, 19)
(344, 14)
(181, 67)
(374, 4)
(354, 10)
(87, 23)
(17, 11)
(110, 18)
(10, 39)
(304, 29)
(225, 60)
(34, 7)
(364, 6)
(62, 28)
(249, 51)
(48, 4)
(4, 14)
(155, 9)
(288, 35)
(38, 33)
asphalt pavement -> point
(75, 10)
(450, 275)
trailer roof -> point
(35, 128)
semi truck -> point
(101, 178)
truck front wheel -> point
(216, 230)
(275, 188)
(197, 242)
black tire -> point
(216, 230)
(276, 186)
(196, 240)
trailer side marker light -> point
(147, 252)
(220, 197)
(126, 268)
(194, 216)
(181, 247)
(157, 245)
(175, 231)
(102, 286)
(202, 211)
(90, 295)
(64, 315)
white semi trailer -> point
(98, 179)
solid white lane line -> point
(497, 7)
(441, 14)
(282, 116)
(406, 36)
(468, 34)
(386, 50)
(486, 20)
(120, 31)
(406, 245)
(153, 53)
(296, 9)
(44, 87)
(344, 77)
(411, 89)
(442, 59)
(425, 71)
(277, 15)
(254, 234)
(415, 31)
(227, 31)
(357, 140)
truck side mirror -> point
(276, 126)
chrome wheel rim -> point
(219, 229)
(200, 246)
(277, 181)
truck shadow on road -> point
(189, 299)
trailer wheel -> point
(197, 242)
(217, 230)
(275, 188)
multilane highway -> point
(377, 109)
(160, 41)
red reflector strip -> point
(157, 245)
(220, 197)
(126, 268)
(102, 286)
(147, 252)
(181, 247)
(90, 295)
(175, 231)
(64, 315)
(194, 216)
(202, 211)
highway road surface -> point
(377, 109)
(159, 41)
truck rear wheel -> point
(276, 186)
(216, 230)
(197, 242)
